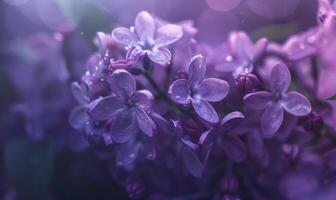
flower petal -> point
(271, 119)
(213, 89)
(205, 110)
(208, 138)
(280, 78)
(145, 26)
(234, 148)
(124, 36)
(231, 121)
(81, 92)
(259, 48)
(123, 127)
(258, 100)
(192, 162)
(296, 104)
(127, 153)
(167, 35)
(122, 83)
(148, 149)
(105, 108)
(160, 56)
(78, 117)
(197, 70)
(145, 123)
(143, 99)
(255, 142)
(241, 45)
(179, 91)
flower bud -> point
(312, 122)
(246, 83)
(290, 151)
(180, 75)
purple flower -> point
(325, 9)
(78, 116)
(242, 53)
(300, 46)
(220, 137)
(278, 99)
(199, 90)
(148, 39)
(127, 108)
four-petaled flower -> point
(274, 102)
(127, 108)
(241, 53)
(199, 90)
(221, 137)
(148, 38)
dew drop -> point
(229, 58)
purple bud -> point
(290, 151)
(135, 188)
(228, 184)
(312, 122)
(246, 83)
(321, 18)
(180, 75)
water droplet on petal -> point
(229, 58)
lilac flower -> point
(129, 152)
(278, 99)
(78, 116)
(299, 47)
(127, 108)
(325, 8)
(241, 54)
(220, 137)
(199, 90)
(148, 39)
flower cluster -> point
(244, 120)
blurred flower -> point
(241, 53)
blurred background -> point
(44, 45)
